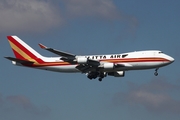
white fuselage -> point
(93, 65)
(137, 60)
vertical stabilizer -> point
(23, 51)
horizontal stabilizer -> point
(19, 60)
(60, 53)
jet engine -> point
(82, 60)
(117, 74)
(108, 65)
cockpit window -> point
(160, 52)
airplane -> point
(94, 66)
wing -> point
(84, 64)
(98, 66)
(65, 55)
(91, 65)
(86, 68)
(68, 57)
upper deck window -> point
(160, 52)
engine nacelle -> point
(108, 65)
(82, 60)
(117, 74)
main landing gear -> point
(100, 79)
(156, 72)
(94, 75)
(102, 75)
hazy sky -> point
(90, 27)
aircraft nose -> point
(171, 59)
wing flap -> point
(85, 68)
(93, 62)
(91, 65)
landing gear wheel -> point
(90, 77)
(156, 73)
(100, 79)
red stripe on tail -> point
(20, 46)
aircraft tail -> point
(23, 51)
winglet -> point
(42, 46)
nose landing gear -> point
(156, 72)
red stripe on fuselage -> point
(136, 60)
(30, 54)
(128, 60)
